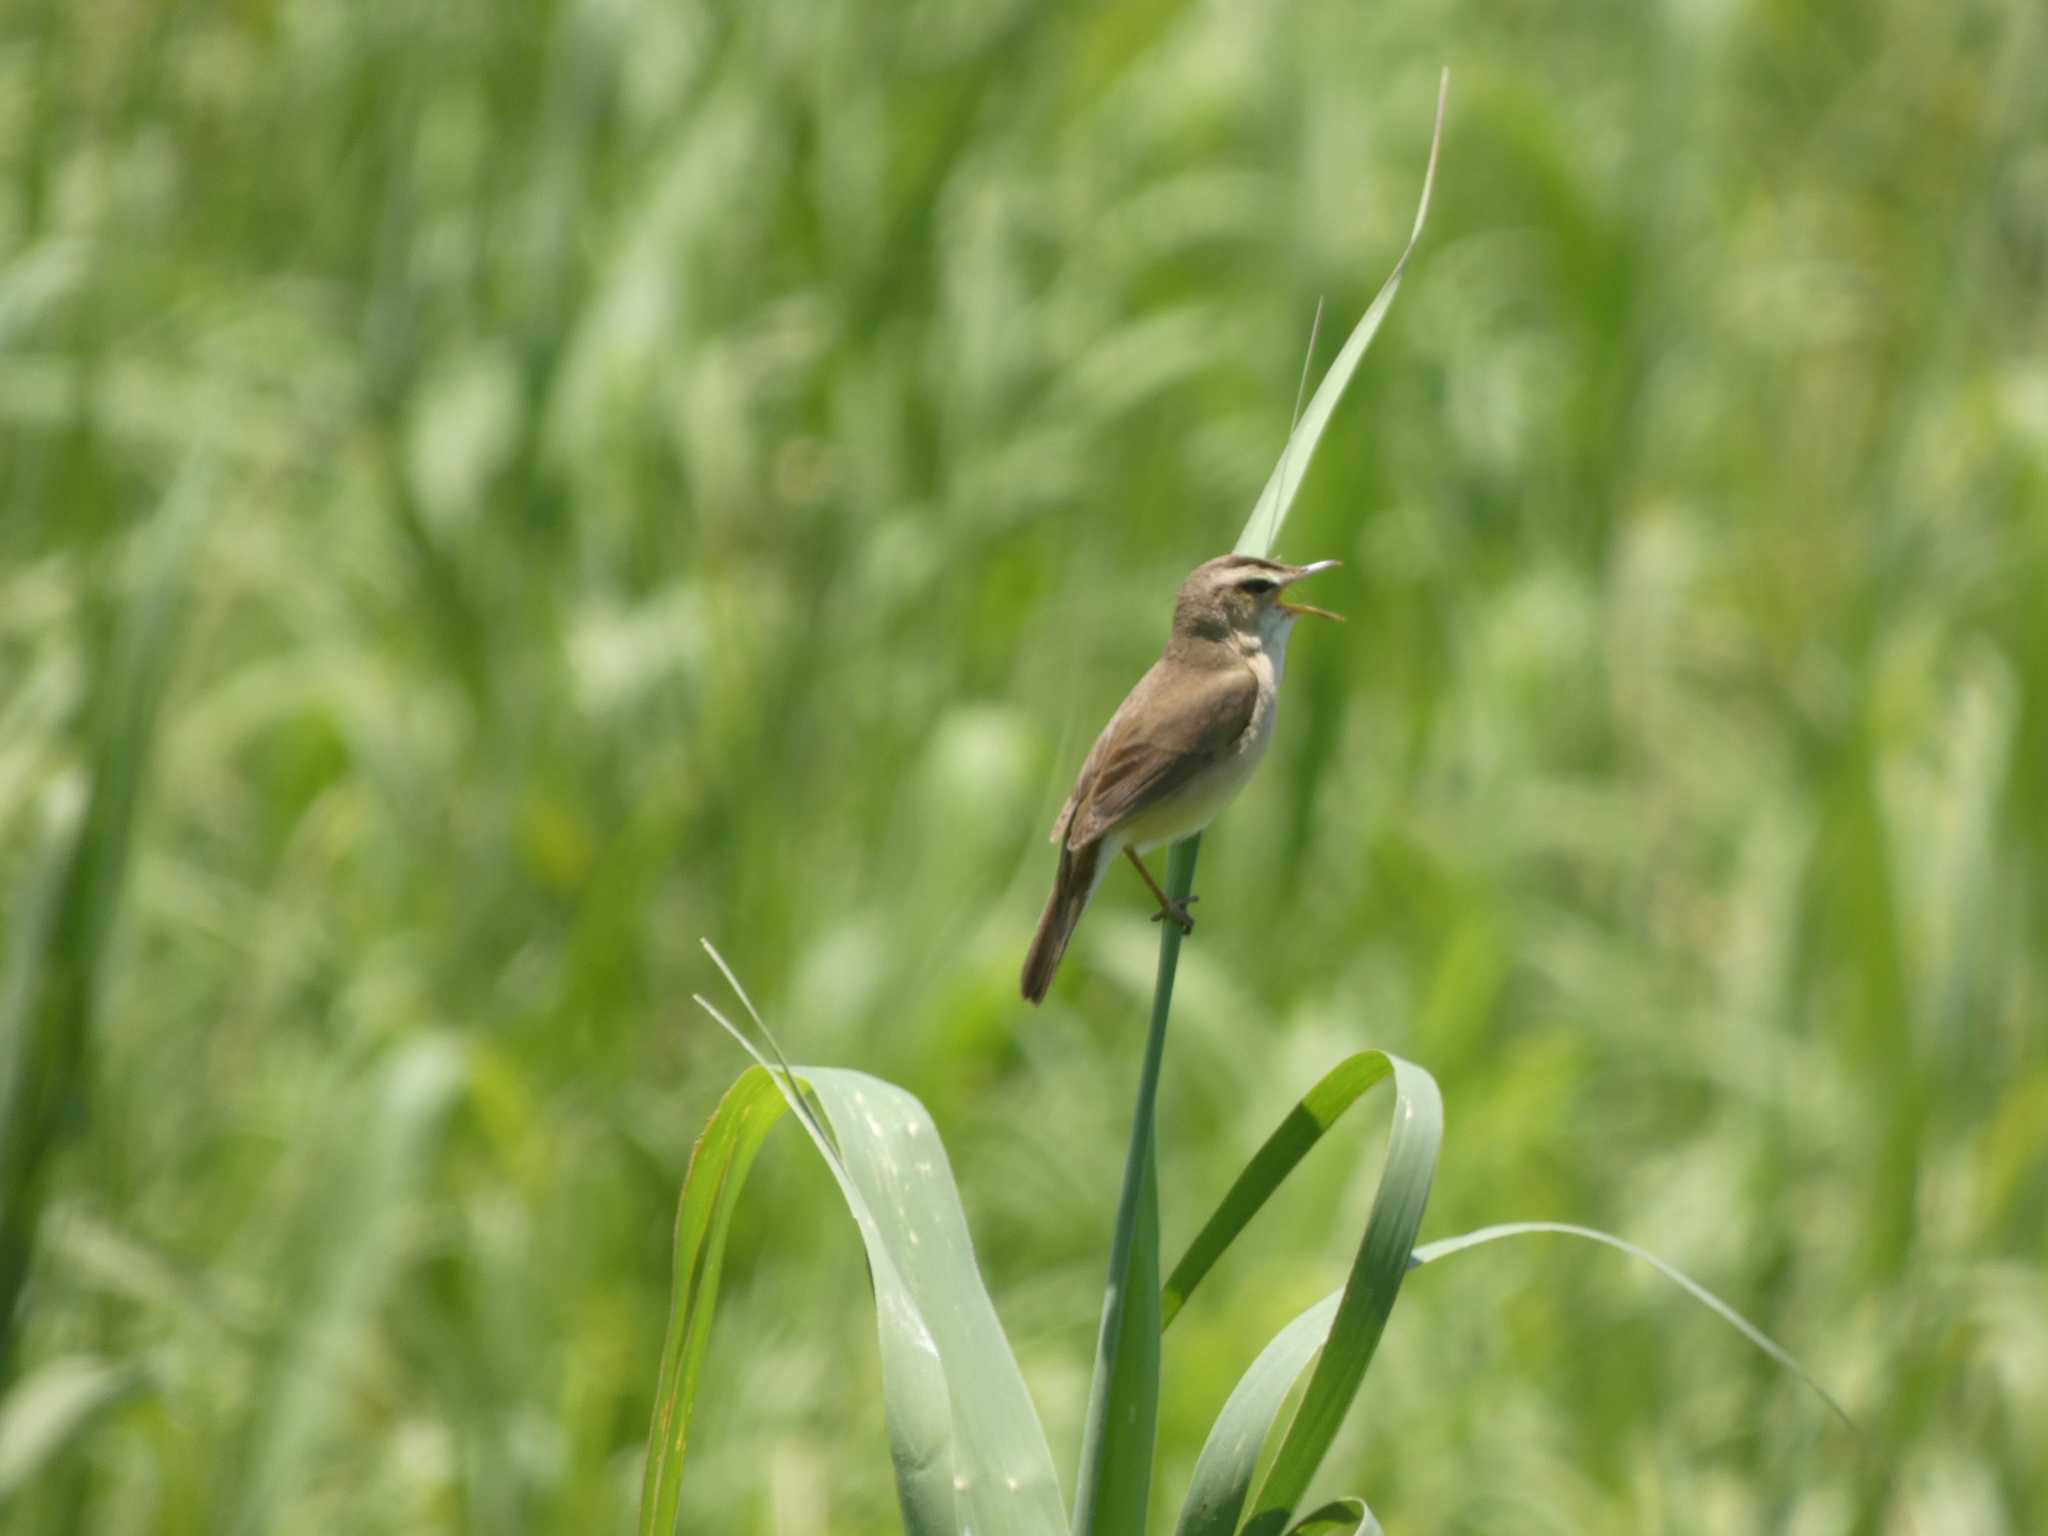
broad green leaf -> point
(1444, 1247)
(1113, 1490)
(1262, 532)
(969, 1452)
(51, 1408)
(1339, 1333)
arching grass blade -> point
(1319, 1109)
(1445, 1247)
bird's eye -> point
(1260, 585)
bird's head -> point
(1242, 595)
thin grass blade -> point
(74, 897)
(53, 1408)
(348, 1245)
(1445, 1247)
(1262, 532)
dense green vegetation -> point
(583, 477)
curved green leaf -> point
(1341, 1332)
(1319, 1109)
(718, 1171)
(969, 1452)
(1369, 1294)
(1444, 1247)
(1230, 1457)
(1340, 1517)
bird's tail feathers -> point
(1080, 871)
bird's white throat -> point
(1269, 641)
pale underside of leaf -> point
(968, 1449)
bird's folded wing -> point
(1087, 777)
(1177, 721)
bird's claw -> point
(1178, 911)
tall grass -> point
(687, 469)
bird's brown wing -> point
(1177, 721)
(1087, 775)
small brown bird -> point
(1180, 747)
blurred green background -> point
(637, 470)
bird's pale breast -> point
(1196, 803)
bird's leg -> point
(1177, 910)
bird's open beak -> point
(1298, 609)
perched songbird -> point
(1180, 747)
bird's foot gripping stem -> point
(1175, 912)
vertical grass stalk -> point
(1112, 1491)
